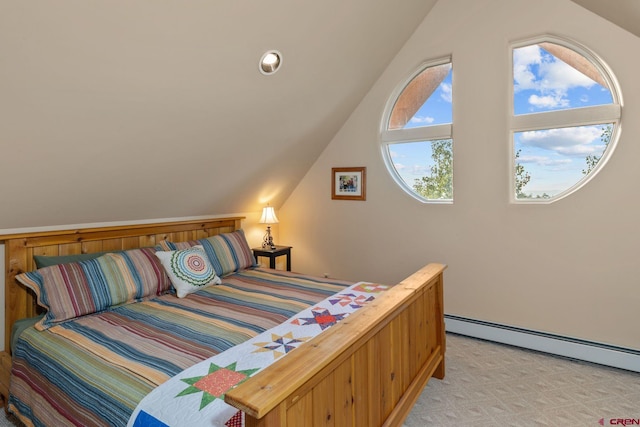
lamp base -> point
(267, 241)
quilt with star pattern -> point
(195, 397)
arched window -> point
(565, 118)
(416, 134)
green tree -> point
(592, 160)
(439, 184)
(522, 179)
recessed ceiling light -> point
(270, 62)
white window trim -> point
(566, 118)
(417, 134)
(586, 116)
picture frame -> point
(349, 183)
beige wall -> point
(569, 268)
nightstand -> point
(272, 254)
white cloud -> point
(548, 101)
(446, 92)
(550, 77)
(581, 150)
(421, 120)
(556, 75)
(409, 173)
(576, 141)
(394, 154)
(544, 161)
(523, 59)
(419, 170)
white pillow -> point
(189, 269)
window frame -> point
(572, 117)
(417, 134)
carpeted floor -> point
(488, 385)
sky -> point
(554, 158)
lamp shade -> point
(268, 216)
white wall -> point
(569, 268)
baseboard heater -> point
(603, 354)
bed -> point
(367, 369)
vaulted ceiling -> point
(624, 13)
(119, 110)
(136, 110)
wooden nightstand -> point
(272, 254)
(5, 374)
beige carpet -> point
(488, 384)
(491, 385)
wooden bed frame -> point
(367, 370)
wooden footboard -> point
(367, 370)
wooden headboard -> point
(20, 249)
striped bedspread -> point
(93, 370)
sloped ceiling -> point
(127, 110)
(624, 13)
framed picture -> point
(349, 183)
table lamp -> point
(268, 217)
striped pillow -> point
(76, 289)
(228, 252)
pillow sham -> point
(189, 269)
(227, 252)
(47, 261)
(76, 289)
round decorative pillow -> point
(189, 269)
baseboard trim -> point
(589, 351)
